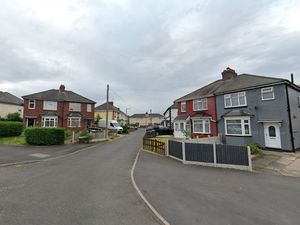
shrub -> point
(44, 136)
(14, 117)
(10, 129)
(125, 129)
(85, 137)
(255, 150)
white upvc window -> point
(238, 126)
(49, 121)
(31, 104)
(183, 106)
(200, 104)
(235, 99)
(267, 93)
(74, 106)
(74, 121)
(89, 107)
(49, 105)
(201, 126)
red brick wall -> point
(62, 112)
(211, 103)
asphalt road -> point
(198, 195)
(89, 187)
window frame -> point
(181, 106)
(29, 103)
(203, 122)
(262, 91)
(70, 119)
(43, 122)
(239, 94)
(243, 124)
(198, 101)
(71, 108)
(88, 107)
(54, 103)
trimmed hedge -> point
(45, 136)
(10, 129)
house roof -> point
(240, 82)
(111, 107)
(58, 95)
(145, 115)
(174, 106)
(8, 98)
(182, 117)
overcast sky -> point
(150, 52)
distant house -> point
(114, 113)
(145, 119)
(169, 115)
(58, 108)
(243, 109)
(10, 104)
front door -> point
(272, 135)
(30, 122)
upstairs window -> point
(267, 93)
(200, 104)
(89, 107)
(183, 106)
(74, 106)
(31, 104)
(235, 100)
(50, 105)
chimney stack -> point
(62, 88)
(228, 74)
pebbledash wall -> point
(260, 110)
(62, 113)
(211, 112)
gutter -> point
(290, 119)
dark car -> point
(159, 130)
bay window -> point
(239, 126)
(201, 126)
(49, 121)
(74, 121)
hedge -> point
(45, 136)
(10, 129)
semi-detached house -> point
(247, 109)
(58, 108)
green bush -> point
(255, 150)
(125, 129)
(44, 136)
(85, 137)
(10, 129)
(14, 117)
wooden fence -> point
(154, 145)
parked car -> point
(159, 130)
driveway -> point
(193, 195)
(89, 187)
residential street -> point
(193, 195)
(89, 187)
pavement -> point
(91, 187)
(279, 163)
(10, 154)
(193, 195)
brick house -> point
(58, 108)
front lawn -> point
(19, 140)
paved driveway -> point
(194, 195)
(89, 187)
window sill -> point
(239, 135)
(270, 99)
(241, 106)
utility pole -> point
(151, 117)
(106, 122)
(127, 116)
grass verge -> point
(18, 140)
